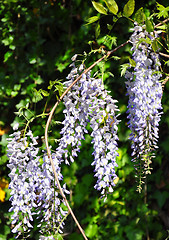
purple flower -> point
(144, 106)
(89, 103)
(33, 189)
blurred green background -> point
(37, 40)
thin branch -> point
(47, 127)
(164, 55)
(159, 24)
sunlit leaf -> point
(4, 19)
(17, 87)
(92, 19)
(59, 88)
(108, 41)
(12, 47)
(132, 62)
(44, 93)
(11, 1)
(7, 56)
(51, 84)
(14, 93)
(123, 68)
(140, 16)
(91, 230)
(97, 30)
(99, 7)
(112, 6)
(109, 27)
(163, 11)
(32, 60)
(37, 96)
(149, 26)
(129, 8)
(116, 58)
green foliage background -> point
(38, 39)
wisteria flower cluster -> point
(88, 103)
(32, 186)
(144, 106)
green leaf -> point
(32, 60)
(111, 74)
(149, 25)
(22, 104)
(12, 47)
(2, 123)
(108, 41)
(6, 42)
(124, 68)
(8, 91)
(162, 28)
(116, 58)
(92, 19)
(44, 93)
(132, 62)
(11, 1)
(129, 8)
(91, 230)
(99, 7)
(17, 87)
(140, 16)
(38, 79)
(14, 93)
(97, 30)
(7, 56)
(51, 84)
(163, 11)
(109, 27)
(4, 19)
(37, 96)
(59, 88)
(112, 6)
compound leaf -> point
(163, 11)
